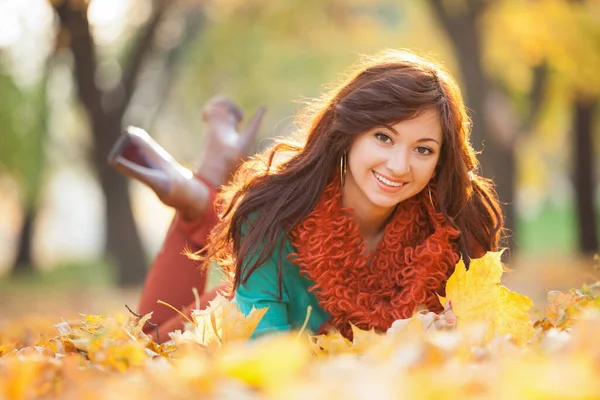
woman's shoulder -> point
(282, 248)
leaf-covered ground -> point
(500, 349)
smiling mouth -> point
(388, 182)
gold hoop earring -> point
(343, 169)
(430, 197)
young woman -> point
(363, 219)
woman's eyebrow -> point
(427, 140)
(391, 128)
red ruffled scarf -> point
(411, 264)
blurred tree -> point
(34, 173)
(584, 124)
(510, 53)
(106, 109)
(561, 38)
(585, 109)
(23, 122)
(492, 112)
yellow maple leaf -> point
(330, 344)
(364, 340)
(477, 297)
(6, 348)
(270, 364)
(565, 309)
(28, 376)
(118, 356)
(558, 305)
(333, 343)
(219, 323)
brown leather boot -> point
(137, 155)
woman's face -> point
(387, 165)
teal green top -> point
(262, 290)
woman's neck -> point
(370, 218)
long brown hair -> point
(267, 198)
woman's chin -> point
(384, 204)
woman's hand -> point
(445, 321)
(225, 145)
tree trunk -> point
(123, 244)
(497, 140)
(583, 127)
(24, 262)
(34, 175)
(105, 111)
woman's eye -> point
(383, 137)
(424, 150)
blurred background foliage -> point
(73, 73)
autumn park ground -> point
(75, 339)
(69, 290)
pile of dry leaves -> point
(497, 351)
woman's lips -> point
(386, 184)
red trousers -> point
(173, 275)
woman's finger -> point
(449, 316)
(442, 325)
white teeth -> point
(387, 181)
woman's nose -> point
(399, 163)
